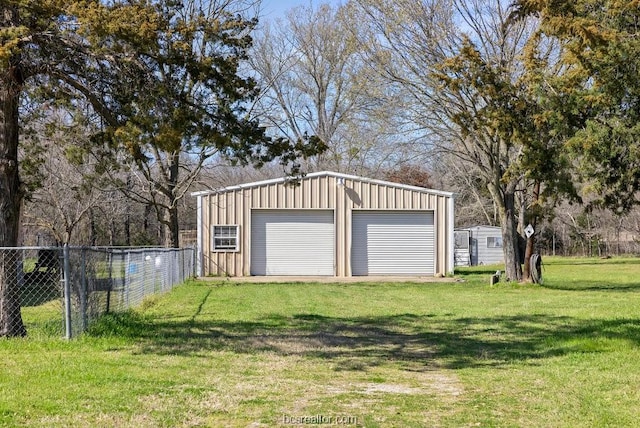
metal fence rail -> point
(63, 290)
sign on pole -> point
(528, 231)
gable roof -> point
(337, 175)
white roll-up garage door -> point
(393, 243)
(292, 242)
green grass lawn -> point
(223, 354)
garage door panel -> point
(292, 242)
(399, 243)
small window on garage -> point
(225, 238)
(494, 242)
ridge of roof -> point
(321, 174)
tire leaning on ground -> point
(535, 267)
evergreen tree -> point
(161, 77)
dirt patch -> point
(446, 384)
(413, 383)
(389, 388)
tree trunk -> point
(504, 199)
(510, 238)
(10, 196)
(93, 232)
(11, 324)
(172, 220)
(127, 218)
(127, 227)
(528, 252)
(173, 228)
(145, 221)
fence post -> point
(143, 265)
(125, 278)
(84, 289)
(110, 257)
(67, 292)
(194, 262)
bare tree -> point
(316, 81)
(60, 175)
(474, 204)
(461, 65)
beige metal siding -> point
(317, 192)
(363, 195)
(338, 192)
(223, 209)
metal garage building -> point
(325, 224)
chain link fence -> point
(61, 291)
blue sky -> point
(277, 8)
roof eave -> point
(321, 174)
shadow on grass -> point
(585, 285)
(419, 342)
(560, 261)
(478, 270)
(39, 294)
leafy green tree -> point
(500, 132)
(188, 107)
(161, 78)
(600, 57)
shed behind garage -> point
(483, 246)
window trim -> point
(467, 235)
(225, 248)
(496, 240)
